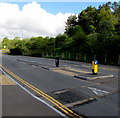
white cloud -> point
(32, 20)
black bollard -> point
(57, 61)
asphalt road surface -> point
(87, 98)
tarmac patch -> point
(68, 97)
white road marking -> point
(64, 65)
(32, 61)
(98, 91)
(23, 62)
(49, 64)
(34, 66)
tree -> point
(104, 13)
(70, 24)
(5, 43)
(59, 40)
(116, 10)
(79, 38)
(87, 20)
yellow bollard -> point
(95, 67)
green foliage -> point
(87, 19)
(79, 38)
(71, 22)
(5, 43)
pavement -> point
(17, 102)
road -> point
(83, 97)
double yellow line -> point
(64, 109)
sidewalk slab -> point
(17, 102)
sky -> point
(32, 19)
(65, 7)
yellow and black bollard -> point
(95, 67)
